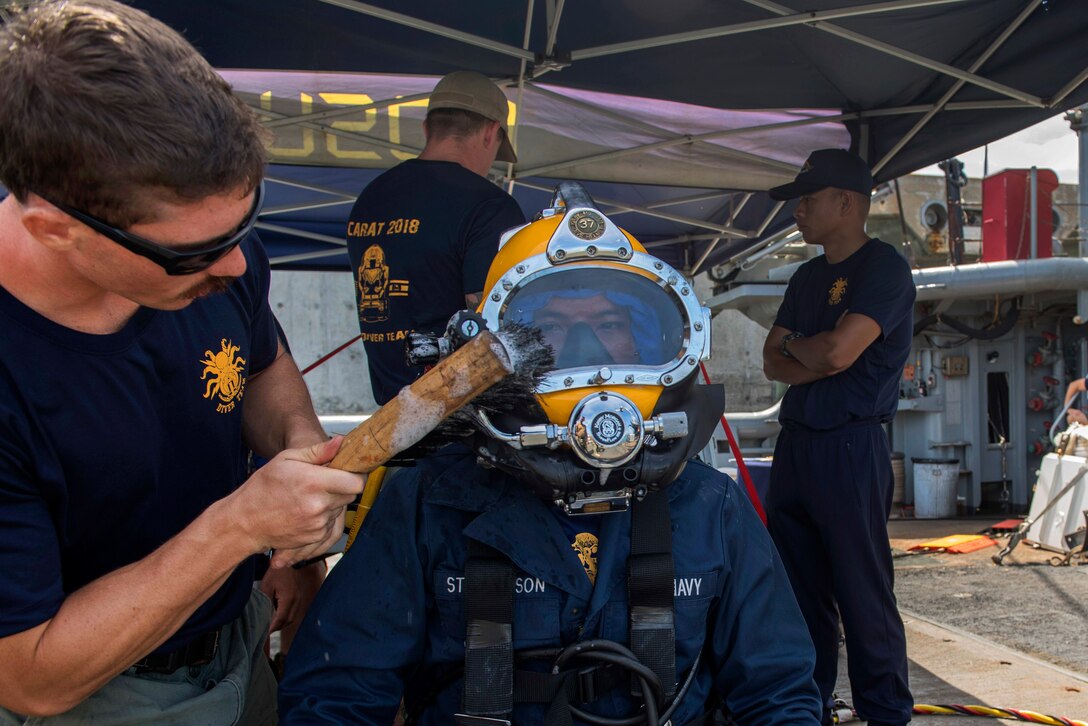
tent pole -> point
(520, 95)
(794, 18)
(908, 56)
(702, 223)
(1070, 87)
(702, 258)
(408, 20)
(310, 187)
(998, 42)
(339, 241)
(770, 218)
(673, 141)
(555, 12)
(288, 208)
(345, 110)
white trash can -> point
(935, 483)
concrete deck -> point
(951, 666)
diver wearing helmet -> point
(569, 563)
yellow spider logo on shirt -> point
(838, 289)
(225, 369)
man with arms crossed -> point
(840, 340)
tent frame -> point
(533, 66)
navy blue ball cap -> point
(824, 168)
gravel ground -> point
(1026, 604)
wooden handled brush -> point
(419, 408)
(497, 371)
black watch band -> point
(785, 339)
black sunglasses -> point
(175, 262)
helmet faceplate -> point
(615, 315)
(619, 412)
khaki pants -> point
(237, 687)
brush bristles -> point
(531, 358)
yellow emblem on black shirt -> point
(372, 280)
(585, 544)
(375, 287)
(838, 289)
(225, 369)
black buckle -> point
(587, 684)
(197, 652)
(202, 650)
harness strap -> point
(491, 684)
(583, 685)
(561, 690)
(489, 640)
(652, 629)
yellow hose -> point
(1008, 713)
(845, 713)
(374, 481)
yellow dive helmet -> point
(628, 334)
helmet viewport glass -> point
(600, 317)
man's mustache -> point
(211, 286)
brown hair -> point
(443, 123)
(102, 105)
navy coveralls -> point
(831, 480)
(390, 619)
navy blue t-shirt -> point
(112, 444)
(421, 237)
(876, 282)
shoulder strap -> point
(488, 696)
(489, 641)
(650, 588)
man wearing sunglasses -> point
(130, 392)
